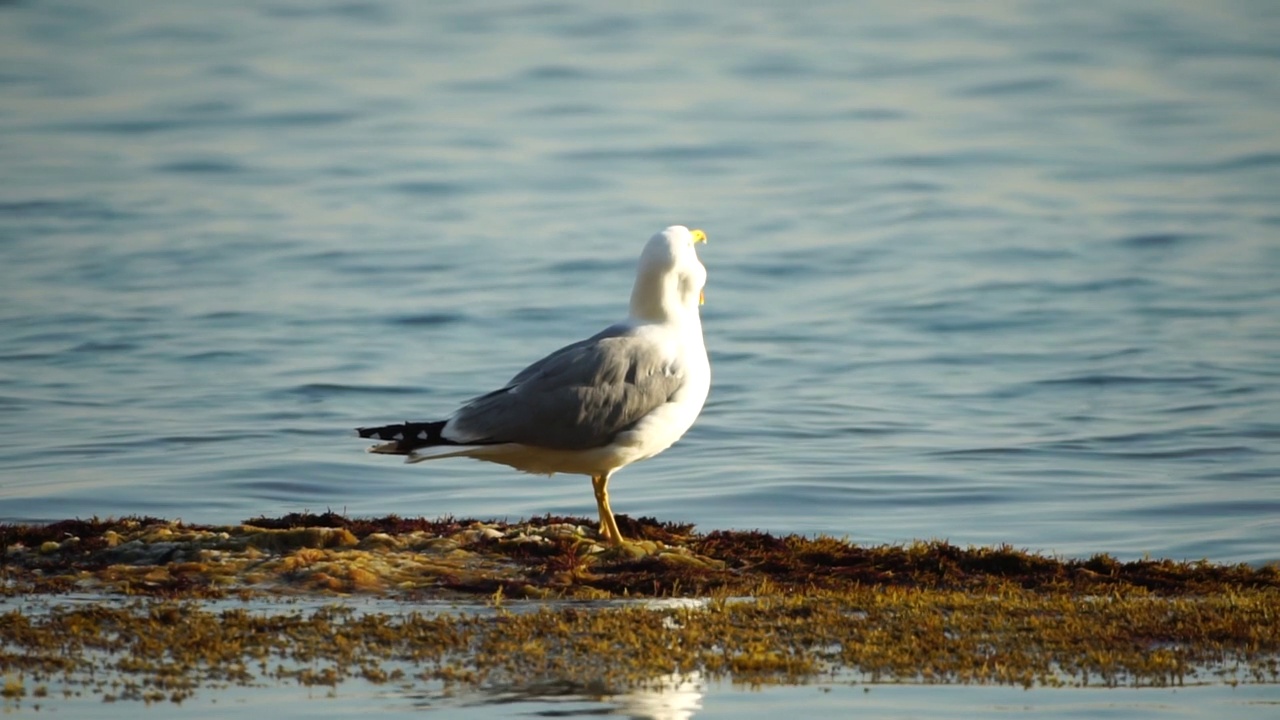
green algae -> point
(1017, 637)
(767, 609)
(541, 558)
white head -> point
(670, 278)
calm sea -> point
(997, 272)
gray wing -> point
(579, 397)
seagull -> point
(593, 407)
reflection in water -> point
(670, 697)
(675, 696)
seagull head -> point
(670, 277)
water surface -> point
(998, 272)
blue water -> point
(998, 272)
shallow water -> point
(683, 698)
(992, 272)
(1207, 692)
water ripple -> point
(997, 273)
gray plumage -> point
(579, 397)
(596, 406)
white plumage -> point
(591, 408)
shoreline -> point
(169, 609)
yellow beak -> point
(700, 237)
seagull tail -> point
(404, 438)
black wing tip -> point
(405, 437)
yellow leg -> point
(608, 525)
(597, 484)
